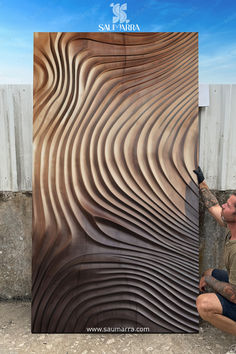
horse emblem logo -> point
(119, 12)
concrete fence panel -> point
(16, 113)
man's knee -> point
(202, 305)
(208, 305)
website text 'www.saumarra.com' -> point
(118, 329)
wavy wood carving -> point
(115, 206)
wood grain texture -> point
(115, 226)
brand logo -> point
(120, 23)
(119, 12)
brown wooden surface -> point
(115, 225)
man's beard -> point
(227, 221)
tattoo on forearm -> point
(225, 289)
(209, 198)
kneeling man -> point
(220, 308)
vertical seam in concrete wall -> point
(17, 142)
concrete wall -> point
(218, 138)
(15, 245)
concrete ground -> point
(16, 338)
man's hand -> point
(199, 173)
(202, 284)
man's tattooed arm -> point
(211, 203)
(208, 198)
(225, 289)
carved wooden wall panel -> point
(115, 225)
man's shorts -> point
(229, 308)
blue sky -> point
(214, 20)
